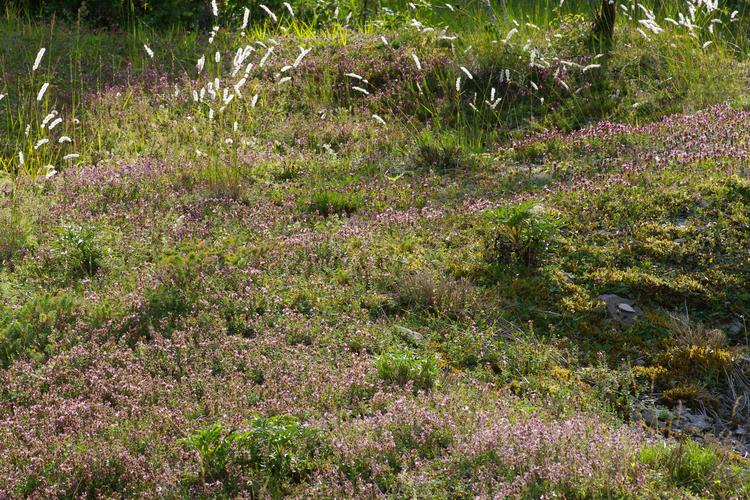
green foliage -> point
(123, 13)
(520, 234)
(27, 332)
(223, 294)
(401, 366)
(278, 448)
(214, 448)
(164, 13)
(78, 248)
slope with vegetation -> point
(343, 250)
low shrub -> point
(28, 331)
(78, 248)
(278, 449)
(520, 234)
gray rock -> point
(736, 327)
(698, 422)
(620, 309)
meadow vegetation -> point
(359, 249)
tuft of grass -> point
(440, 295)
(441, 154)
(327, 203)
(701, 470)
(16, 233)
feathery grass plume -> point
(353, 75)
(214, 8)
(50, 171)
(254, 101)
(55, 123)
(47, 118)
(217, 57)
(467, 72)
(201, 63)
(510, 35)
(384, 40)
(245, 18)
(20, 158)
(42, 90)
(71, 156)
(265, 57)
(379, 119)
(214, 31)
(64, 138)
(40, 143)
(302, 54)
(360, 89)
(2, 96)
(289, 8)
(416, 61)
(591, 66)
(148, 51)
(285, 79)
(238, 86)
(38, 59)
(270, 14)
(458, 84)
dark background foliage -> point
(161, 13)
(197, 13)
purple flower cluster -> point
(501, 453)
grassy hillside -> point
(434, 252)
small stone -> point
(626, 307)
(620, 309)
